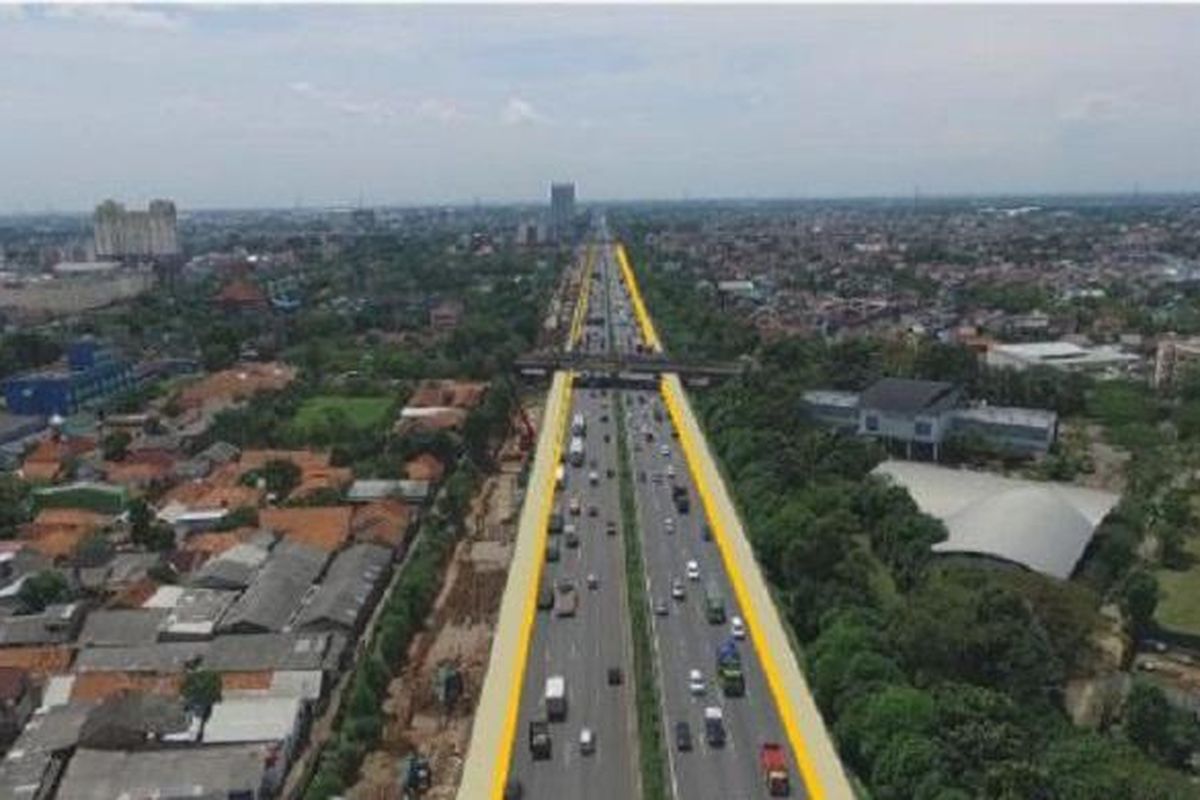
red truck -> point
(774, 769)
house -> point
(40, 661)
(56, 624)
(236, 567)
(241, 294)
(190, 613)
(370, 491)
(278, 722)
(55, 533)
(351, 587)
(122, 627)
(277, 591)
(17, 561)
(246, 772)
(908, 411)
(137, 720)
(17, 701)
(287, 652)
(31, 769)
(50, 459)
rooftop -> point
(222, 771)
(323, 527)
(1042, 526)
(907, 396)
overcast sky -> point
(243, 106)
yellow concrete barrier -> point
(486, 767)
(816, 756)
(649, 334)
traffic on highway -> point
(577, 735)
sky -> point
(244, 106)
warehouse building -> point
(92, 374)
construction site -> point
(429, 708)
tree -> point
(280, 476)
(201, 690)
(44, 588)
(14, 505)
(115, 445)
(1139, 598)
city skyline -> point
(237, 107)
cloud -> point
(136, 18)
(302, 88)
(440, 110)
(521, 112)
(1094, 107)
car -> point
(592, 463)
(610, 528)
(607, 438)
(604, 417)
(677, 590)
(593, 581)
(610, 472)
(660, 607)
(693, 571)
(737, 628)
(545, 599)
(587, 741)
(671, 471)
(552, 552)
(593, 477)
(572, 540)
(575, 506)
(683, 737)
(664, 451)
(706, 532)
(669, 524)
(513, 790)
(615, 676)
(593, 511)
(641, 476)
(696, 681)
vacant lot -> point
(1179, 607)
(359, 412)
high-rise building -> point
(562, 209)
(124, 234)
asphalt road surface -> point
(583, 648)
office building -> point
(562, 210)
(920, 416)
(92, 374)
(136, 234)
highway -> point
(684, 639)
(582, 648)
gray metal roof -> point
(907, 396)
(205, 772)
(122, 627)
(278, 590)
(351, 584)
(163, 657)
(270, 651)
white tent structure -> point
(1045, 527)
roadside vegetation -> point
(940, 679)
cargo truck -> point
(539, 739)
(774, 769)
(556, 698)
(729, 669)
(714, 604)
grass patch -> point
(651, 738)
(1179, 604)
(360, 413)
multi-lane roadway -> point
(585, 648)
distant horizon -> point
(584, 202)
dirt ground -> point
(459, 633)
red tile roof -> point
(323, 527)
(383, 522)
(40, 661)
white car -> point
(594, 477)
(693, 571)
(671, 471)
(669, 525)
(587, 742)
(737, 628)
(696, 682)
(664, 451)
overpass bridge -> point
(624, 368)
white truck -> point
(556, 698)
